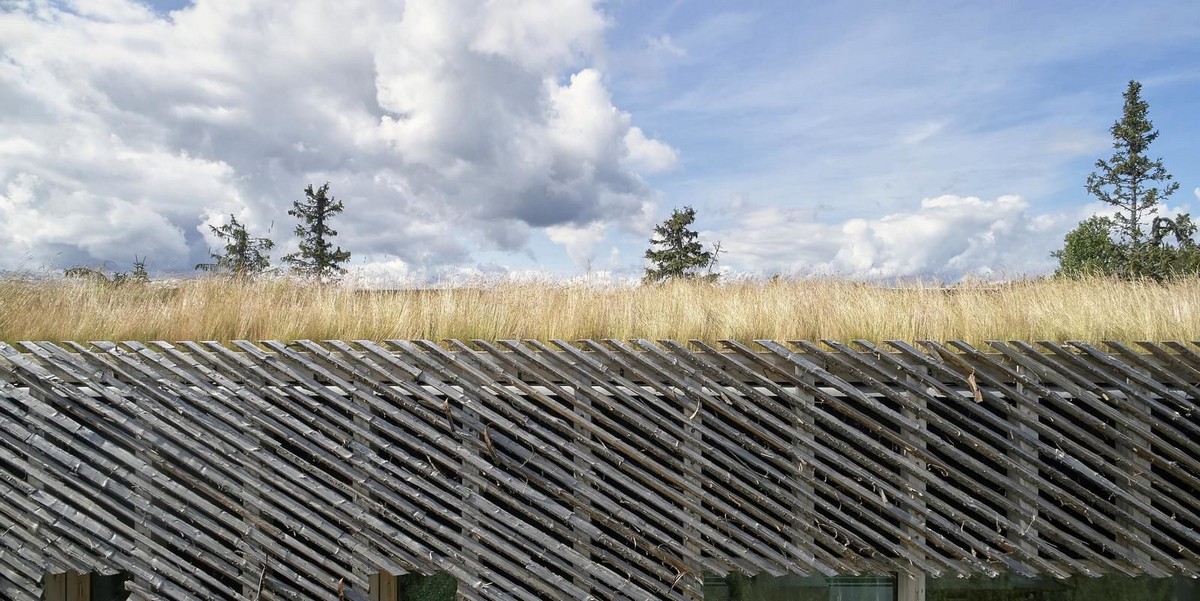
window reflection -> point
(740, 587)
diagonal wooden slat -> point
(610, 469)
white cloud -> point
(580, 242)
(111, 10)
(947, 237)
(540, 35)
(1196, 192)
(446, 127)
(380, 273)
(647, 155)
(41, 220)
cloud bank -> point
(447, 127)
(948, 237)
(506, 136)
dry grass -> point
(217, 309)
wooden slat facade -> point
(610, 470)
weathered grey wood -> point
(1024, 517)
(607, 469)
(1059, 485)
(1100, 455)
(910, 587)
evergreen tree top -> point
(1134, 184)
(317, 257)
(679, 253)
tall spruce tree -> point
(317, 258)
(679, 253)
(244, 256)
(1128, 181)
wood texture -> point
(605, 469)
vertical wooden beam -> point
(803, 510)
(79, 586)
(470, 518)
(144, 485)
(252, 574)
(68, 586)
(384, 586)
(581, 541)
(1137, 469)
(360, 572)
(693, 418)
(910, 586)
(54, 587)
(34, 526)
(1024, 518)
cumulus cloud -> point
(580, 242)
(446, 127)
(1196, 192)
(45, 222)
(647, 155)
(947, 237)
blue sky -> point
(546, 137)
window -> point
(69, 585)
(740, 587)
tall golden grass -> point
(221, 309)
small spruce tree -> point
(97, 275)
(679, 253)
(244, 256)
(317, 257)
(139, 273)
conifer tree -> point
(97, 275)
(244, 256)
(139, 275)
(1128, 181)
(679, 253)
(317, 258)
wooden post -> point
(362, 493)
(385, 586)
(803, 509)
(910, 587)
(79, 586)
(469, 517)
(693, 588)
(253, 575)
(54, 587)
(1137, 468)
(580, 539)
(1025, 516)
(67, 586)
(146, 489)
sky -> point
(517, 139)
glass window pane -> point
(740, 587)
(1009, 587)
